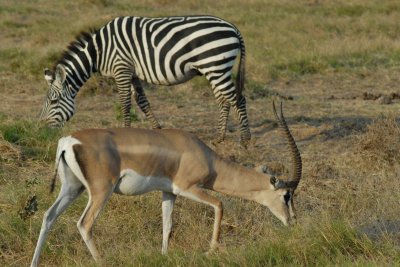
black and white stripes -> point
(162, 51)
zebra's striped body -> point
(162, 51)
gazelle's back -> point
(148, 152)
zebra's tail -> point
(240, 77)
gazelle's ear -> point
(61, 74)
(48, 75)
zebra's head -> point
(59, 105)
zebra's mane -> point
(75, 46)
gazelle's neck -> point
(236, 180)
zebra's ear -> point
(60, 74)
(48, 75)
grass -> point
(320, 57)
(315, 38)
(132, 113)
(35, 141)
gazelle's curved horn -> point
(295, 175)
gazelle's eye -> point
(287, 197)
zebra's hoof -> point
(245, 143)
(218, 140)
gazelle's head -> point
(280, 199)
(59, 105)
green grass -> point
(36, 141)
(132, 114)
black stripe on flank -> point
(186, 30)
(213, 51)
(210, 64)
(210, 53)
(216, 63)
(221, 71)
(196, 42)
(205, 39)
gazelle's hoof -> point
(211, 251)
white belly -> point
(133, 183)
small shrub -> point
(133, 115)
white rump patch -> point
(132, 183)
(65, 145)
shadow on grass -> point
(341, 126)
(380, 228)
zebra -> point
(160, 51)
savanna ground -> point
(336, 66)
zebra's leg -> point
(224, 108)
(143, 103)
(123, 80)
(239, 106)
(225, 92)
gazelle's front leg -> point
(197, 194)
(168, 200)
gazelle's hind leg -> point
(168, 201)
(71, 188)
(143, 103)
(95, 205)
(197, 194)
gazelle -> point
(132, 161)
